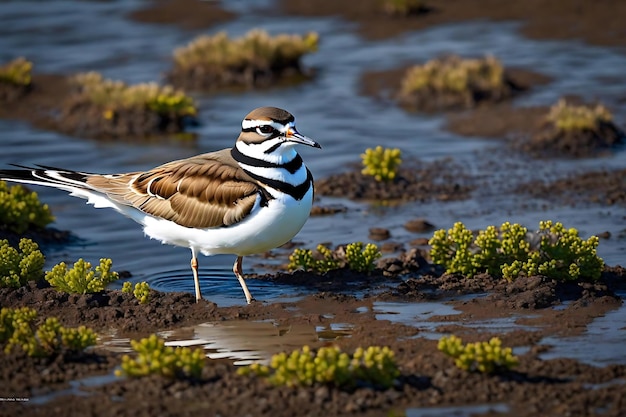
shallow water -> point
(73, 36)
(76, 388)
(423, 316)
(242, 342)
(601, 344)
(459, 411)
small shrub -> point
(82, 278)
(356, 257)
(256, 49)
(381, 163)
(374, 366)
(453, 82)
(21, 210)
(20, 266)
(322, 262)
(455, 74)
(17, 72)
(301, 259)
(141, 291)
(18, 331)
(485, 357)
(255, 58)
(127, 287)
(153, 357)
(570, 117)
(362, 259)
(113, 97)
(510, 251)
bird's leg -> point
(196, 280)
(239, 274)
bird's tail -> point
(71, 181)
(74, 182)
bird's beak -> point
(292, 135)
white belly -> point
(264, 229)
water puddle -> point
(243, 342)
(74, 389)
(601, 344)
(218, 284)
(421, 316)
(334, 331)
(459, 411)
(246, 342)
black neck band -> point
(292, 166)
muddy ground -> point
(555, 387)
(428, 378)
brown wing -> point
(207, 190)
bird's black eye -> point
(265, 129)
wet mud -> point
(428, 378)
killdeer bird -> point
(248, 199)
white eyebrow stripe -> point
(252, 123)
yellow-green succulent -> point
(358, 257)
(116, 96)
(454, 74)
(17, 72)
(510, 252)
(141, 291)
(375, 366)
(381, 163)
(153, 357)
(21, 210)
(568, 117)
(485, 357)
(82, 278)
(18, 331)
(18, 266)
(255, 50)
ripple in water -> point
(218, 285)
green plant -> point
(127, 287)
(362, 259)
(569, 117)
(17, 72)
(509, 252)
(454, 74)
(17, 330)
(256, 49)
(141, 291)
(21, 209)
(115, 96)
(82, 278)
(329, 365)
(18, 267)
(153, 357)
(486, 357)
(356, 257)
(381, 163)
(301, 259)
(322, 262)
